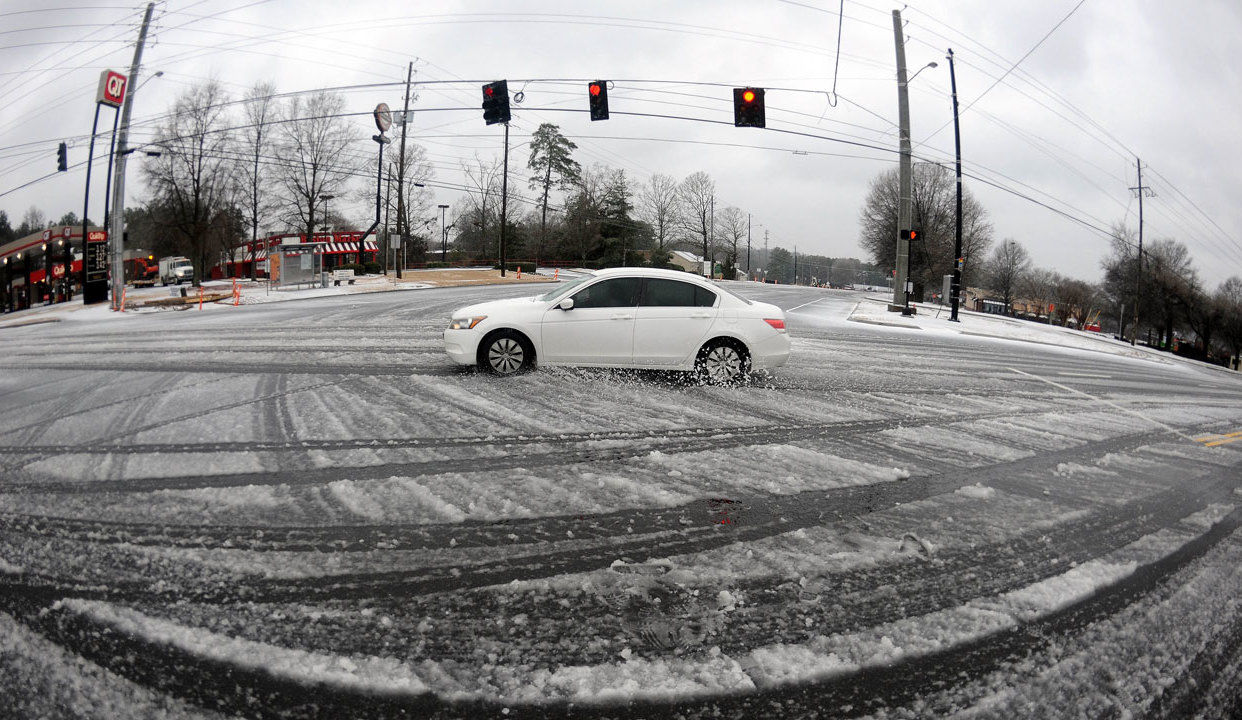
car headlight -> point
(467, 323)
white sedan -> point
(623, 317)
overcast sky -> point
(1151, 78)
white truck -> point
(176, 270)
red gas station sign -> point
(112, 85)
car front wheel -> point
(506, 353)
(721, 361)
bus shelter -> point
(293, 265)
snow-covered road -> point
(304, 509)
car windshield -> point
(565, 287)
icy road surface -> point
(305, 510)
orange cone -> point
(556, 273)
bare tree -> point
(659, 206)
(1040, 285)
(1005, 268)
(33, 221)
(730, 231)
(483, 181)
(1229, 297)
(255, 137)
(192, 183)
(1075, 299)
(406, 212)
(935, 214)
(313, 141)
(697, 198)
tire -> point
(722, 362)
(505, 353)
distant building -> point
(687, 261)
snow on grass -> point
(978, 491)
(358, 673)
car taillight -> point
(776, 323)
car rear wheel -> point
(722, 361)
(506, 353)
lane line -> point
(805, 304)
(1222, 442)
(1107, 402)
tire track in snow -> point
(764, 517)
(256, 693)
(656, 441)
(779, 610)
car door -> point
(599, 330)
(672, 321)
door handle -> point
(700, 315)
(622, 316)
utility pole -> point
(116, 228)
(1138, 279)
(902, 263)
(402, 227)
(955, 288)
(795, 282)
(748, 245)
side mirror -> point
(566, 304)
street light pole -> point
(956, 287)
(443, 235)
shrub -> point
(372, 268)
(526, 267)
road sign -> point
(112, 86)
(383, 117)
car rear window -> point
(674, 293)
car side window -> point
(617, 292)
(674, 293)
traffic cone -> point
(556, 273)
(200, 297)
(123, 299)
(519, 272)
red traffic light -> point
(595, 88)
(748, 108)
(487, 90)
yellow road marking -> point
(1212, 440)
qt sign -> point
(112, 86)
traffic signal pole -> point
(504, 201)
(956, 286)
(902, 263)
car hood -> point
(488, 308)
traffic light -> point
(598, 92)
(496, 102)
(62, 158)
(916, 235)
(748, 107)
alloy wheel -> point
(505, 356)
(722, 364)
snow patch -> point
(362, 673)
(978, 491)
